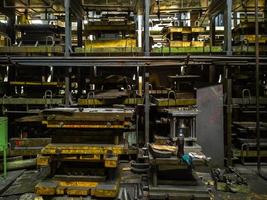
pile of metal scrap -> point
(229, 180)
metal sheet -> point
(210, 122)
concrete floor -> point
(258, 186)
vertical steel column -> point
(228, 27)
(11, 27)
(147, 53)
(229, 119)
(235, 18)
(212, 31)
(67, 49)
(80, 32)
(258, 133)
(146, 28)
(212, 73)
(67, 28)
(173, 127)
(147, 108)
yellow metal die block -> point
(77, 188)
(46, 188)
(83, 102)
(185, 30)
(252, 38)
(42, 160)
(92, 157)
(175, 30)
(97, 126)
(106, 191)
(111, 162)
(31, 49)
(83, 149)
(249, 4)
(78, 192)
(197, 44)
(198, 29)
(36, 83)
(173, 102)
(179, 44)
(123, 43)
(77, 184)
(85, 126)
(133, 101)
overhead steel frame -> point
(145, 62)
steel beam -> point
(257, 85)
(147, 61)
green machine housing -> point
(4, 140)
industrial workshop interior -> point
(133, 99)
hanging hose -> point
(257, 91)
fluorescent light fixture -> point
(3, 21)
(37, 21)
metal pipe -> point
(20, 164)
